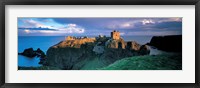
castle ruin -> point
(115, 35)
(69, 38)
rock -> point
(31, 53)
(40, 53)
(98, 49)
(167, 43)
(28, 53)
(76, 58)
(114, 43)
(43, 61)
(132, 45)
(144, 50)
(81, 53)
(66, 58)
(76, 43)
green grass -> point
(158, 62)
(93, 64)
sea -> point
(44, 42)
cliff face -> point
(74, 43)
(167, 43)
(116, 43)
(80, 54)
(66, 58)
(133, 45)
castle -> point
(70, 38)
(115, 35)
(115, 41)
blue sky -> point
(99, 26)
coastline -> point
(153, 52)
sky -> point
(99, 26)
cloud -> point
(153, 33)
(121, 25)
(95, 26)
(173, 19)
(147, 21)
(34, 24)
(69, 28)
(72, 28)
(168, 25)
(35, 30)
(27, 31)
(39, 28)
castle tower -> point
(115, 35)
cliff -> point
(76, 43)
(167, 43)
(116, 43)
(85, 53)
(147, 62)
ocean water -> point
(44, 42)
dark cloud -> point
(39, 28)
(96, 26)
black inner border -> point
(99, 2)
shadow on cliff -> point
(69, 58)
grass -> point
(165, 61)
(158, 62)
(93, 64)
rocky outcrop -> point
(28, 53)
(116, 43)
(67, 57)
(132, 45)
(167, 43)
(32, 53)
(77, 58)
(80, 54)
(144, 50)
(98, 49)
(40, 53)
(74, 43)
(35, 53)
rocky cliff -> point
(116, 43)
(80, 54)
(167, 43)
(74, 43)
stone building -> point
(69, 38)
(115, 35)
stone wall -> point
(115, 35)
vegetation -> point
(147, 62)
(167, 61)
